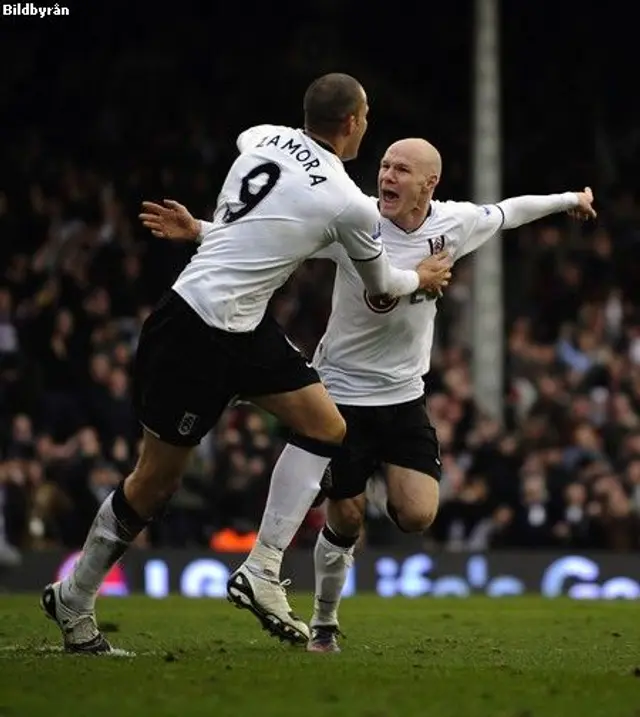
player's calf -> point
(318, 429)
(333, 557)
(256, 585)
(156, 477)
(345, 518)
(120, 518)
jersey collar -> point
(321, 142)
(424, 221)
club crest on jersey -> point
(436, 244)
(187, 424)
(381, 304)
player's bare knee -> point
(415, 519)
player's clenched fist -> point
(435, 272)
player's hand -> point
(435, 272)
(584, 210)
(172, 221)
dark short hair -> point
(329, 100)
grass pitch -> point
(518, 657)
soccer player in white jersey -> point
(375, 373)
(286, 196)
(372, 359)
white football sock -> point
(332, 564)
(106, 543)
(295, 483)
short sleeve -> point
(479, 224)
(334, 252)
(250, 137)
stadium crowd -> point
(78, 275)
(78, 281)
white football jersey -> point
(375, 352)
(285, 197)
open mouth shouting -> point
(389, 198)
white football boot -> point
(267, 599)
(79, 630)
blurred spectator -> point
(564, 471)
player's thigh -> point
(181, 378)
(346, 516)
(277, 377)
(407, 439)
(411, 453)
(349, 471)
(309, 411)
(414, 495)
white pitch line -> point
(7, 651)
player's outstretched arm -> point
(522, 210)
(171, 221)
(481, 223)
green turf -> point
(523, 657)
